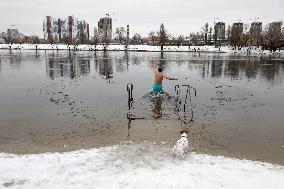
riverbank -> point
(251, 51)
(205, 140)
(135, 166)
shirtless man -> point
(159, 76)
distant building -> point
(219, 33)
(50, 29)
(276, 26)
(13, 36)
(255, 33)
(68, 30)
(82, 31)
(2, 36)
(238, 27)
(105, 27)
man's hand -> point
(172, 78)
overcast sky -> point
(143, 16)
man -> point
(159, 76)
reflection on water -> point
(15, 61)
(104, 66)
(241, 69)
(122, 64)
(66, 66)
(157, 107)
(208, 66)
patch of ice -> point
(135, 166)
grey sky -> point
(179, 16)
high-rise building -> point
(276, 26)
(50, 29)
(256, 28)
(105, 27)
(255, 33)
(68, 30)
(82, 31)
(239, 27)
(219, 33)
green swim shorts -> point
(157, 88)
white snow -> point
(135, 166)
(111, 47)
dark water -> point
(57, 96)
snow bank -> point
(135, 166)
(225, 49)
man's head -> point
(160, 69)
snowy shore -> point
(135, 166)
(144, 48)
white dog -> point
(181, 146)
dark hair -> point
(160, 69)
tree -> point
(136, 39)
(245, 37)
(235, 35)
(255, 38)
(96, 37)
(195, 38)
(282, 40)
(34, 39)
(205, 32)
(152, 37)
(180, 40)
(228, 33)
(120, 35)
(273, 36)
(163, 38)
(103, 38)
(210, 35)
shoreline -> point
(129, 163)
(207, 143)
(38, 149)
(249, 51)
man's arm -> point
(169, 78)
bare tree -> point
(180, 40)
(152, 37)
(228, 34)
(120, 35)
(12, 36)
(273, 36)
(210, 35)
(136, 39)
(235, 35)
(96, 37)
(196, 38)
(205, 31)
